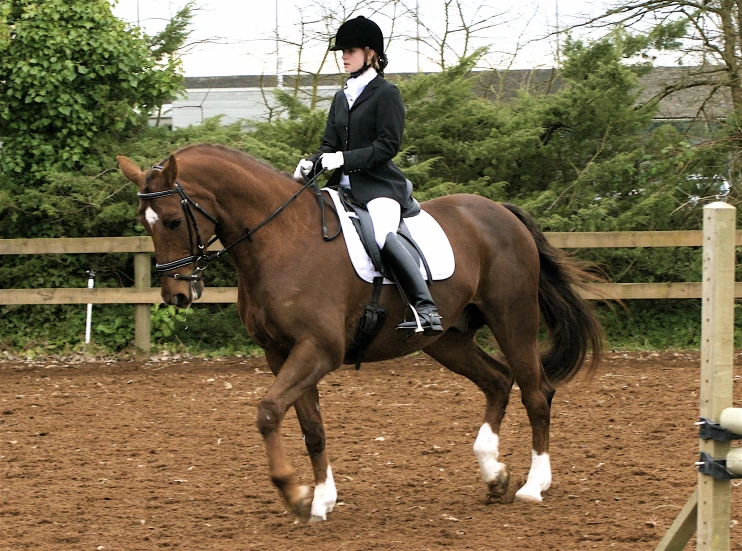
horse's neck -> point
(247, 204)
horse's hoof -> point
(325, 497)
(498, 487)
(302, 505)
(528, 496)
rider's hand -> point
(303, 169)
(331, 161)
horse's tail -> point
(570, 319)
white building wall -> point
(234, 104)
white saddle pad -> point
(424, 229)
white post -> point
(89, 320)
(279, 68)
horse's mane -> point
(239, 157)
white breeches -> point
(385, 215)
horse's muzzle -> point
(184, 296)
(180, 300)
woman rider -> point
(362, 135)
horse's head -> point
(180, 228)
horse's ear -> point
(170, 172)
(130, 170)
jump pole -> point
(708, 510)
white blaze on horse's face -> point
(151, 217)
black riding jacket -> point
(369, 135)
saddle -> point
(374, 314)
(362, 222)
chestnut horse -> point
(300, 300)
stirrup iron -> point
(434, 323)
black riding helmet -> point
(360, 33)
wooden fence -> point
(142, 295)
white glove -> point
(331, 161)
(303, 169)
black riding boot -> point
(407, 273)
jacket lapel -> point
(343, 107)
(368, 91)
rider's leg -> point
(385, 215)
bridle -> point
(198, 256)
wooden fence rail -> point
(142, 295)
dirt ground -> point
(165, 454)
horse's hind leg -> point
(536, 395)
(459, 353)
(310, 420)
(516, 329)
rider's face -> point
(353, 58)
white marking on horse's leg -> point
(151, 216)
(539, 478)
(487, 451)
(494, 473)
(325, 496)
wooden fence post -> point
(142, 320)
(708, 510)
(717, 367)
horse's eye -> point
(174, 224)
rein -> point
(199, 257)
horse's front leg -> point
(310, 420)
(295, 379)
